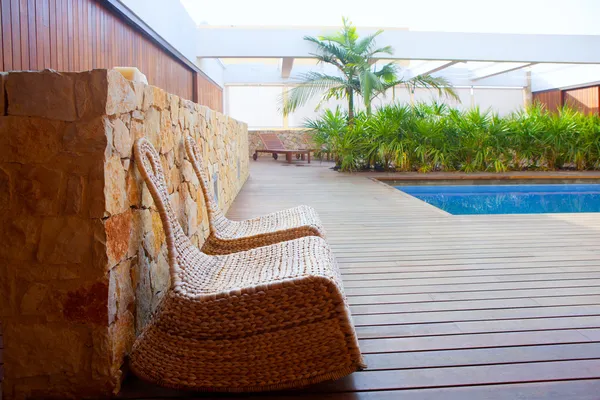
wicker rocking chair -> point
(227, 236)
(270, 318)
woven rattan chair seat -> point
(227, 236)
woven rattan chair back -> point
(216, 217)
(178, 244)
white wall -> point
(502, 101)
(255, 105)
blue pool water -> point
(509, 199)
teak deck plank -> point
(446, 307)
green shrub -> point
(435, 137)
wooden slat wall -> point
(586, 100)
(552, 99)
(209, 94)
(77, 35)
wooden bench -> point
(274, 146)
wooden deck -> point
(446, 307)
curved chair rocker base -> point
(317, 347)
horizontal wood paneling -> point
(77, 35)
(584, 99)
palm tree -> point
(355, 58)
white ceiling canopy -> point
(422, 67)
(497, 69)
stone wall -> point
(83, 259)
(292, 139)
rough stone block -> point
(120, 97)
(42, 300)
(7, 290)
(87, 304)
(133, 185)
(188, 173)
(138, 88)
(174, 106)
(153, 236)
(160, 278)
(36, 190)
(30, 140)
(167, 139)
(136, 129)
(115, 191)
(122, 138)
(120, 291)
(5, 192)
(147, 201)
(152, 127)
(154, 97)
(191, 216)
(90, 136)
(64, 240)
(175, 180)
(126, 119)
(122, 336)
(91, 92)
(47, 94)
(44, 349)
(118, 233)
(73, 202)
(20, 237)
(96, 197)
(140, 278)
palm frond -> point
(387, 72)
(442, 85)
(327, 49)
(370, 85)
(385, 50)
(366, 44)
(311, 84)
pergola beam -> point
(270, 74)
(240, 42)
(497, 69)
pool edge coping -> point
(406, 195)
(427, 177)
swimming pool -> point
(507, 198)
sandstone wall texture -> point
(292, 140)
(83, 259)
